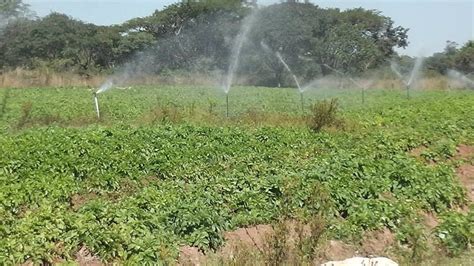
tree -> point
(310, 38)
(464, 59)
(14, 9)
(190, 33)
(199, 35)
(453, 57)
(290, 29)
(61, 43)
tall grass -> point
(24, 78)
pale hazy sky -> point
(431, 22)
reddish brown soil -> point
(338, 250)
(253, 236)
(416, 152)
(466, 175)
(78, 200)
(430, 220)
(254, 239)
(465, 172)
(375, 243)
(85, 258)
(465, 152)
(190, 256)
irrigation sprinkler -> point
(301, 93)
(237, 47)
(413, 76)
(96, 102)
(287, 67)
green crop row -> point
(135, 193)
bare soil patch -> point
(430, 220)
(375, 243)
(465, 171)
(253, 240)
(416, 152)
(242, 239)
(78, 200)
(466, 175)
(190, 256)
(85, 258)
(465, 152)
(254, 237)
(338, 250)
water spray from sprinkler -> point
(414, 74)
(104, 87)
(363, 88)
(235, 55)
(278, 55)
(456, 75)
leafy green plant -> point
(456, 232)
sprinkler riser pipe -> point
(408, 91)
(227, 104)
(96, 102)
(302, 102)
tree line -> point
(198, 36)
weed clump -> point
(323, 114)
(25, 114)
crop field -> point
(164, 168)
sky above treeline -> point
(431, 22)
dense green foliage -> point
(456, 232)
(310, 37)
(133, 190)
(453, 57)
(198, 36)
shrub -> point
(323, 114)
